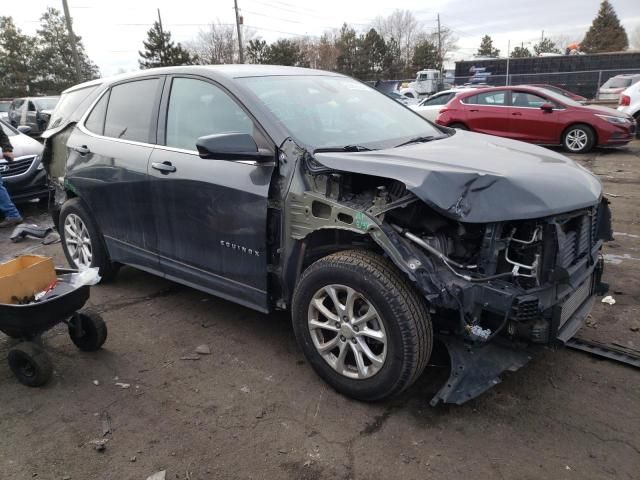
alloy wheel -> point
(576, 139)
(78, 241)
(347, 331)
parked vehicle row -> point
(33, 112)
(288, 188)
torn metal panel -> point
(513, 181)
(477, 368)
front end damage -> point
(496, 289)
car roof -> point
(229, 71)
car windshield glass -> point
(617, 82)
(8, 130)
(4, 107)
(327, 111)
(46, 103)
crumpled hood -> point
(479, 178)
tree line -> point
(40, 64)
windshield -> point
(8, 130)
(617, 82)
(46, 103)
(326, 111)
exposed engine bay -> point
(509, 284)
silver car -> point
(612, 88)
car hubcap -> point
(347, 331)
(576, 139)
(77, 240)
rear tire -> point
(82, 242)
(459, 126)
(578, 139)
(385, 353)
(30, 364)
(87, 330)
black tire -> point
(30, 364)
(459, 126)
(578, 138)
(402, 311)
(99, 255)
(87, 330)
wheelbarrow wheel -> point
(87, 330)
(30, 364)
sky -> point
(113, 30)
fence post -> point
(599, 83)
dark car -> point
(25, 177)
(287, 188)
(538, 116)
(33, 112)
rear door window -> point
(496, 98)
(527, 100)
(95, 120)
(130, 110)
(439, 100)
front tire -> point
(82, 242)
(578, 139)
(363, 328)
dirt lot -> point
(254, 409)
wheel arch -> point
(575, 124)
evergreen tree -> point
(371, 49)
(283, 52)
(486, 48)
(347, 44)
(53, 68)
(161, 51)
(393, 64)
(606, 33)
(520, 52)
(256, 51)
(16, 55)
(546, 45)
(425, 55)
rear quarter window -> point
(72, 106)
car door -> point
(211, 215)
(488, 112)
(531, 123)
(107, 168)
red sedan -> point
(539, 116)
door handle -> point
(517, 113)
(165, 167)
(474, 110)
(82, 149)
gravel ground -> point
(254, 409)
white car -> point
(430, 107)
(612, 88)
(630, 101)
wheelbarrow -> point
(28, 360)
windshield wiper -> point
(346, 148)
(420, 140)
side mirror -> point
(231, 146)
(26, 129)
(547, 107)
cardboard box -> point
(25, 276)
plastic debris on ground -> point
(476, 332)
(609, 300)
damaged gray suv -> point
(287, 188)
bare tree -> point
(404, 28)
(218, 43)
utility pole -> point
(72, 41)
(161, 39)
(508, 55)
(238, 23)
